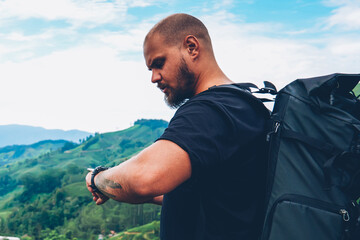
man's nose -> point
(155, 76)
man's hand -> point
(97, 197)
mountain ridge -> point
(16, 134)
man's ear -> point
(191, 43)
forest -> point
(46, 196)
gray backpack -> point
(314, 161)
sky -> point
(78, 64)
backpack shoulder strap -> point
(244, 90)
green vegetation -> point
(14, 153)
(48, 198)
(357, 90)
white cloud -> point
(7, 49)
(130, 41)
(19, 47)
(248, 54)
(85, 88)
(18, 36)
(344, 47)
(346, 16)
(3, 49)
(140, 3)
(222, 4)
(77, 12)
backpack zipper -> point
(276, 128)
(345, 215)
(277, 125)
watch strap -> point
(93, 174)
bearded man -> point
(208, 167)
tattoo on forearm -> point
(112, 184)
(102, 184)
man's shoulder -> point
(217, 97)
(226, 98)
(213, 107)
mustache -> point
(162, 86)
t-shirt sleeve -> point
(211, 134)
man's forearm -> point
(155, 171)
(114, 190)
(114, 183)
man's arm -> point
(155, 171)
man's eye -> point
(159, 64)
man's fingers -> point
(101, 201)
(98, 198)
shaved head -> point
(176, 27)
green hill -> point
(14, 153)
(48, 193)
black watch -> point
(93, 174)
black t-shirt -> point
(223, 200)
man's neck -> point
(214, 80)
(208, 73)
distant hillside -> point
(23, 135)
(10, 154)
(46, 196)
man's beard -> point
(185, 88)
